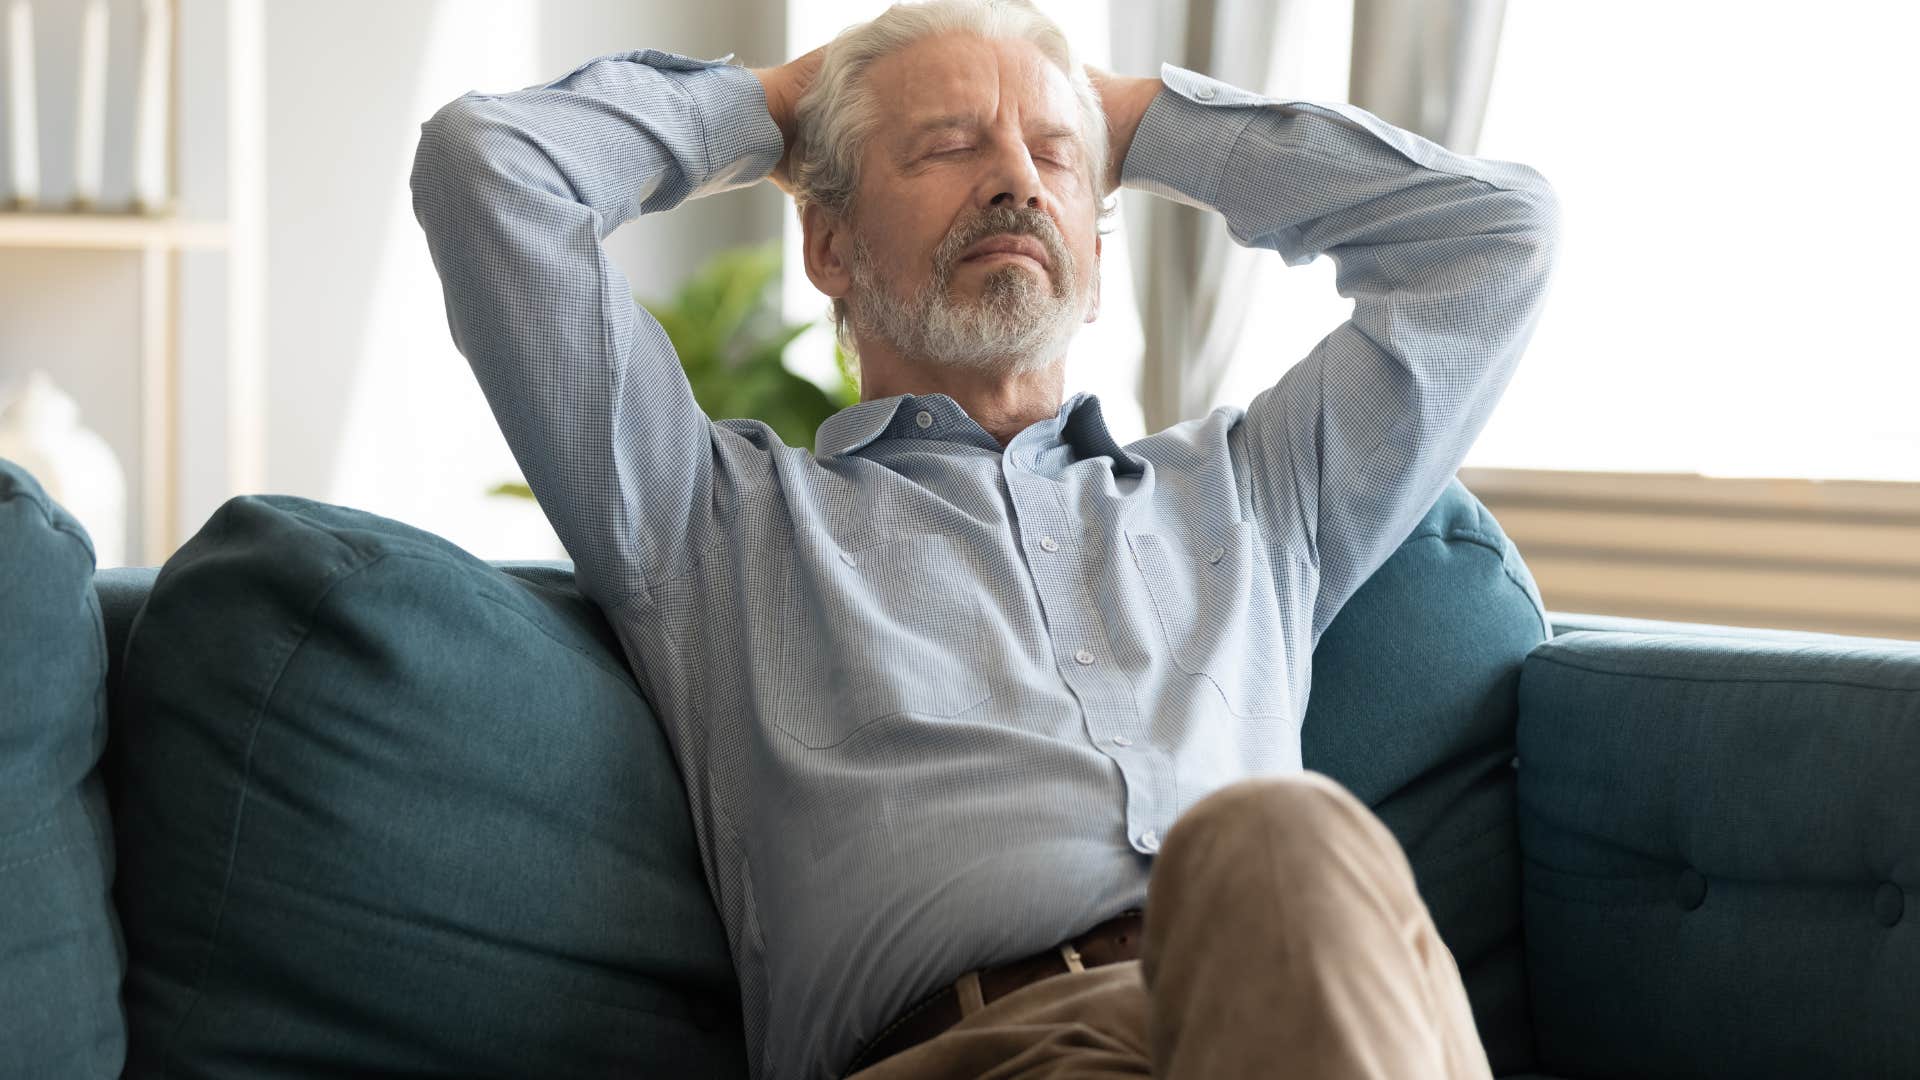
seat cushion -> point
(386, 809)
(1413, 708)
(60, 958)
(1722, 844)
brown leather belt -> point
(1112, 942)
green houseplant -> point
(732, 342)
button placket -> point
(1104, 692)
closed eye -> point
(1057, 152)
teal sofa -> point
(326, 796)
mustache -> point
(1001, 221)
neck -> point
(1004, 405)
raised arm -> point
(516, 191)
(1448, 259)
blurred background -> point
(209, 251)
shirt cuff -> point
(743, 143)
(1185, 137)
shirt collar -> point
(1079, 424)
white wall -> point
(368, 402)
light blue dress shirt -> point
(936, 702)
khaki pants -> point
(1284, 938)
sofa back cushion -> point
(60, 959)
(1722, 841)
(385, 809)
(1413, 708)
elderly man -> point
(962, 691)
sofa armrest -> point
(1721, 854)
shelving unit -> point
(106, 232)
(158, 242)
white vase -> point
(40, 430)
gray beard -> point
(1017, 326)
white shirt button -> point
(1084, 657)
(923, 418)
(846, 558)
(1205, 93)
(1047, 542)
(1122, 740)
(1150, 841)
(1214, 555)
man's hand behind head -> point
(784, 86)
(1125, 101)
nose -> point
(1012, 179)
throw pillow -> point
(386, 809)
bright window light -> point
(1739, 225)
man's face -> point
(973, 239)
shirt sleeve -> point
(1448, 260)
(516, 191)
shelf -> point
(33, 229)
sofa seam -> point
(45, 822)
(1499, 545)
(240, 802)
(42, 504)
(619, 673)
(1731, 681)
(9, 867)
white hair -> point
(837, 115)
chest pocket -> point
(890, 630)
(1215, 601)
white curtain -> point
(1191, 280)
(1422, 64)
(1426, 66)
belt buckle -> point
(1072, 956)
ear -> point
(823, 243)
(1093, 308)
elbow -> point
(1522, 223)
(473, 153)
(445, 161)
(1538, 217)
(435, 162)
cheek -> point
(1085, 258)
(911, 238)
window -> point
(1739, 229)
